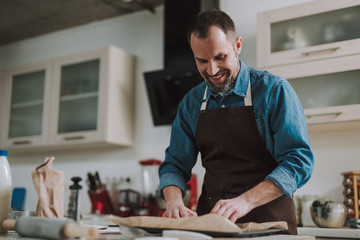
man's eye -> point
(221, 58)
(202, 61)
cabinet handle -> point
(74, 138)
(335, 114)
(320, 52)
(20, 142)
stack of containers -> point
(351, 185)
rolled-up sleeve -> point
(292, 149)
(181, 155)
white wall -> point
(141, 35)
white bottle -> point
(5, 188)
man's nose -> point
(212, 68)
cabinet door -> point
(79, 82)
(328, 90)
(27, 105)
(307, 32)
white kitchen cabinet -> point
(26, 105)
(329, 90)
(306, 32)
(93, 98)
(85, 99)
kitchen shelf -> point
(27, 104)
(79, 96)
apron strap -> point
(204, 103)
(247, 99)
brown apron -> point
(236, 159)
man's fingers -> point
(219, 208)
(179, 212)
(228, 212)
(227, 209)
(234, 217)
(192, 213)
(175, 213)
(216, 208)
(184, 212)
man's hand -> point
(238, 207)
(232, 209)
(175, 207)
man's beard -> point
(223, 87)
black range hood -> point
(168, 86)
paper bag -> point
(204, 223)
(50, 187)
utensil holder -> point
(100, 201)
(351, 185)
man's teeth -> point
(216, 77)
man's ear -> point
(238, 45)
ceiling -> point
(21, 19)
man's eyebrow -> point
(200, 59)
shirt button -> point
(223, 106)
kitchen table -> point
(13, 236)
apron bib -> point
(236, 159)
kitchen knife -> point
(97, 179)
(50, 228)
(92, 182)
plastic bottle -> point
(5, 188)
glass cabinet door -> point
(328, 90)
(310, 31)
(322, 28)
(78, 106)
(27, 104)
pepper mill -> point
(73, 206)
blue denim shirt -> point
(279, 117)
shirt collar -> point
(241, 85)
(242, 80)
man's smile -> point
(218, 78)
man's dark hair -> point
(204, 20)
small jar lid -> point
(3, 153)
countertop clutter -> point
(345, 232)
(106, 229)
(13, 235)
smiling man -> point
(217, 59)
(249, 127)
